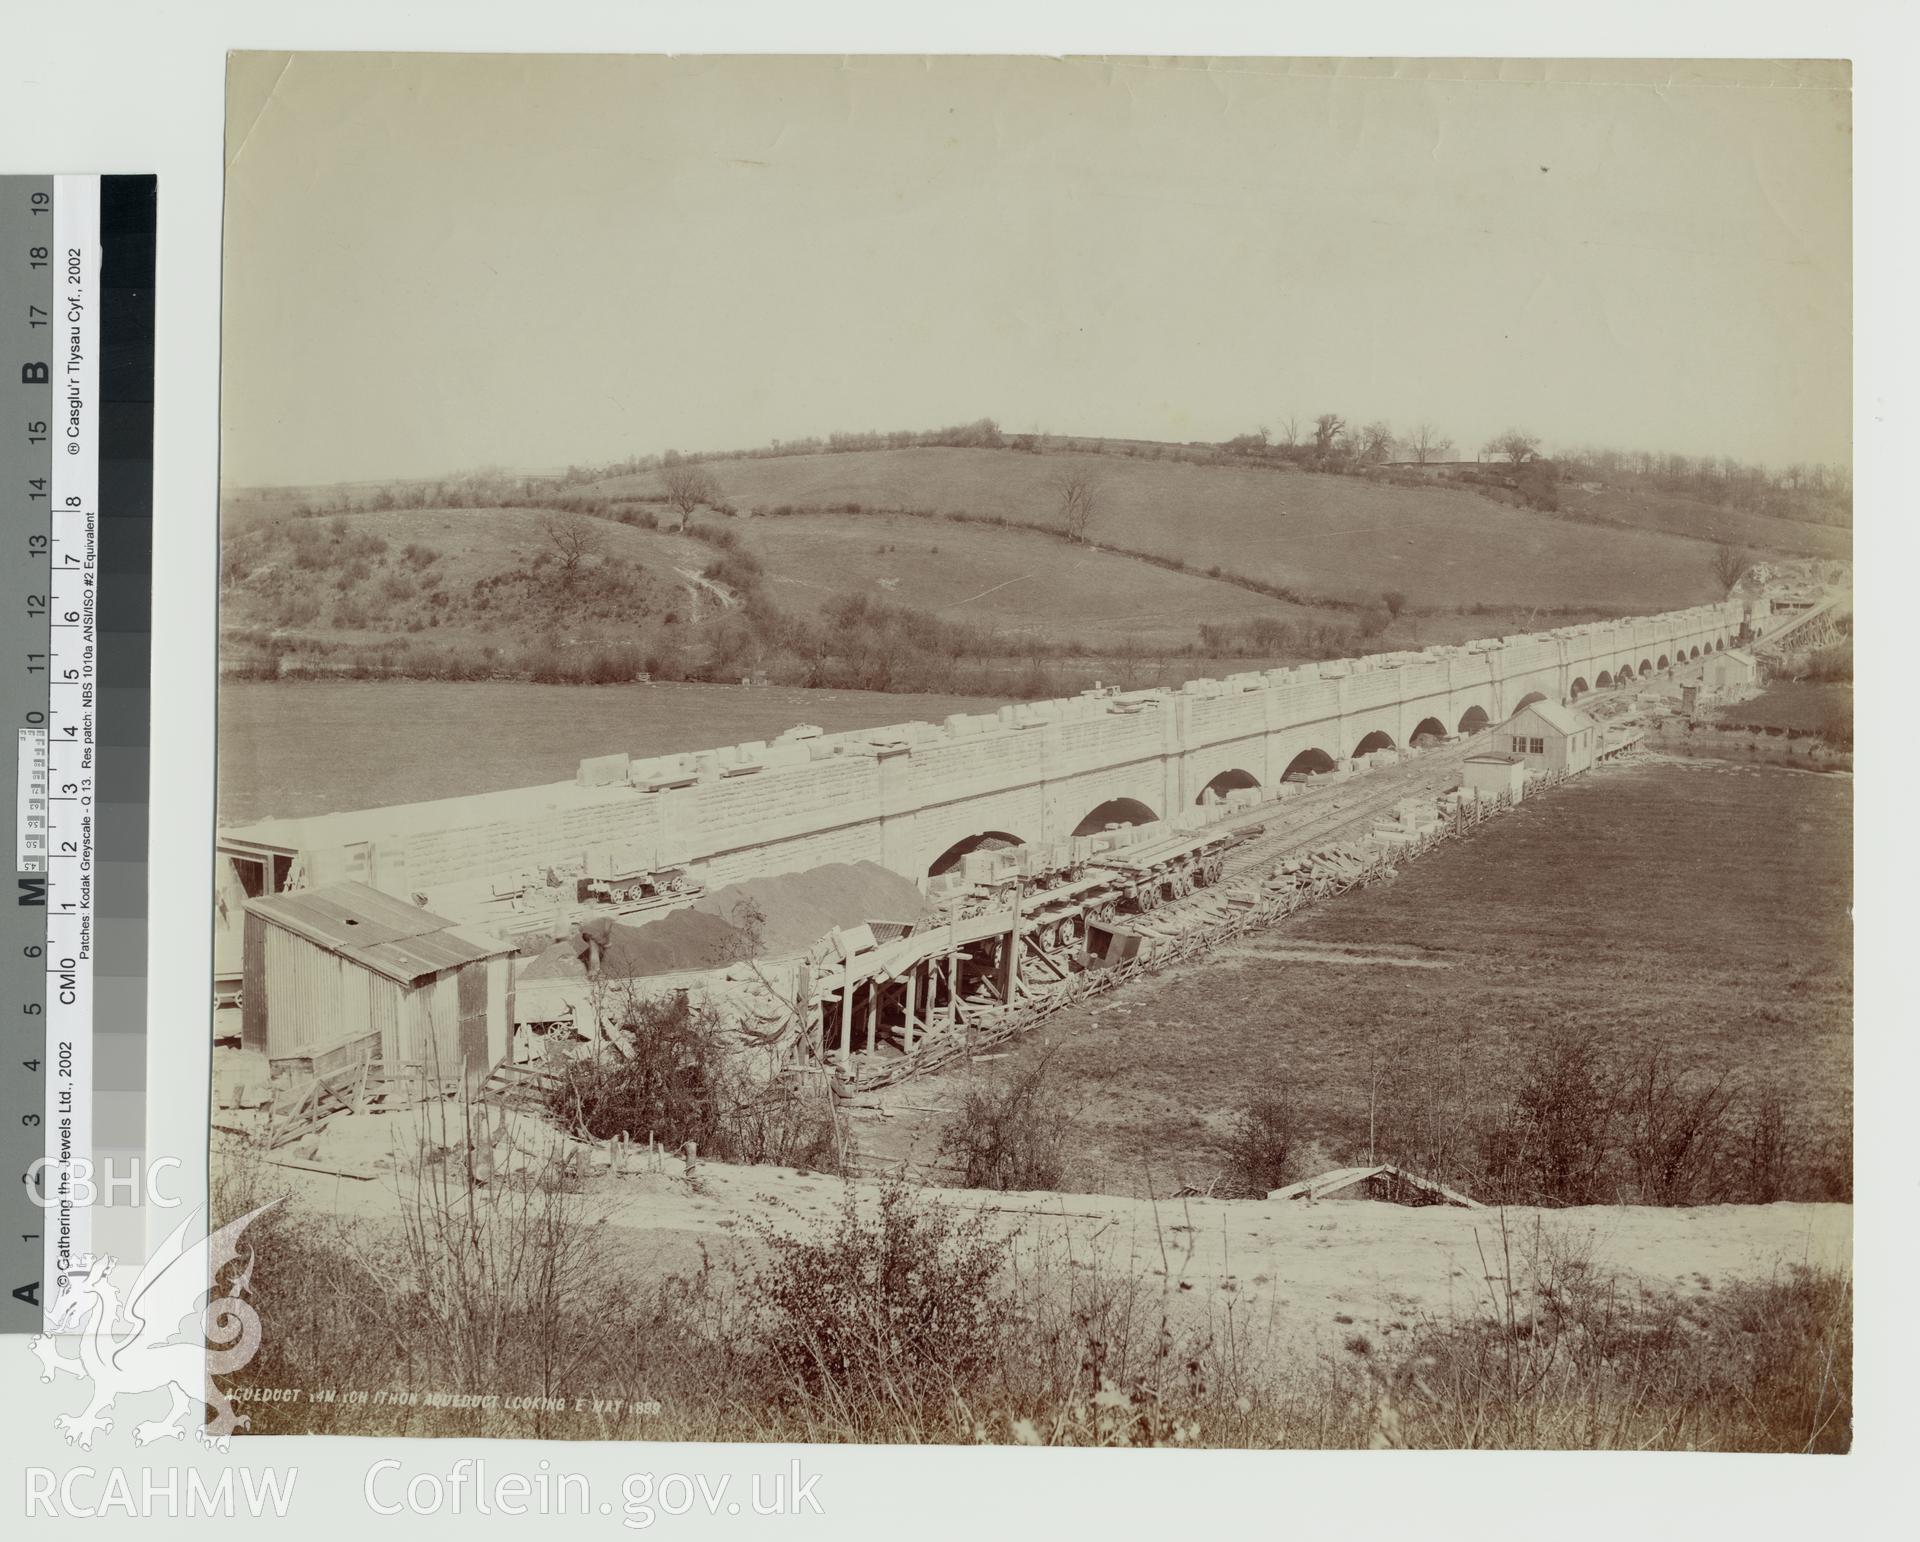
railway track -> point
(1325, 815)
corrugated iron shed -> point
(377, 931)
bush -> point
(713, 535)
(1374, 620)
(1264, 1135)
(896, 1309)
(736, 570)
(1552, 1147)
(1010, 1135)
(1676, 1131)
(1833, 663)
(672, 1087)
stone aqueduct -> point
(912, 795)
(1052, 769)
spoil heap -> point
(789, 912)
(759, 918)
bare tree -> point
(1730, 564)
(573, 539)
(689, 485)
(1374, 443)
(1395, 600)
(1079, 494)
(1515, 446)
(1427, 444)
(1327, 429)
(1290, 431)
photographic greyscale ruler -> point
(76, 416)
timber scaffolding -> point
(1031, 940)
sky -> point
(435, 263)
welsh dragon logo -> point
(175, 1342)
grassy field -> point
(1678, 515)
(1807, 704)
(1321, 535)
(1020, 583)
(298, 748)
(1710, 918)
(938, 570)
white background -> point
(130, 87)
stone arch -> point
(1115, 811)
(983, 840)
(1474, 719)
(1377, 740)
(1232, 780)
(1579, 688)
(1663, 662)
(1309, 762)
(1646, 667)
(1694, 652)
(1428, 728)
(1602, 680)
(1528, 700)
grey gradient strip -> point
(26, 222)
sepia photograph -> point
(1091, 751)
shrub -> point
(1010, 1135)
(737, 570)
(673, 1085)
(793, 1124)
(1676, 1128)
(713, 535)
(1262, 1141)
(1834, 662)
(1768, 1153)
(895, 1309)
(1552, 1146)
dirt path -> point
(696, 584)
(1300, 1278)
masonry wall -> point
(902, 795)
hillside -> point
(935, 569)
(1318, 535)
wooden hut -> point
(1380, 1181)
(1550, 737)
(333, 974)
(1495, 774)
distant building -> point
(1495, 774)
(1550, 737)
(1733, 670)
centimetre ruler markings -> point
(58, 429)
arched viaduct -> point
(909, 795)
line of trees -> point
(1802, 490)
